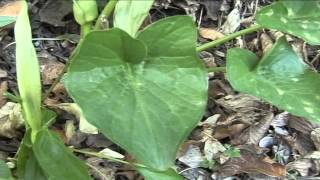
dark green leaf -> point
(5, 20)
(281, 78)
(5, 173)
(147, 102)
(299, 17)
(27, 165)
(170, 174)
(56, 160)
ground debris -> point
(10, 120)
(252, 162)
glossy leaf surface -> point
(299, 17)
(130, 14)
(281, 78)
(28, 72)
(146, 95)
(56, 160)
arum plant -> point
(41, 149)
(146, 88)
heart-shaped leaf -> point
(146, 95)
(281, 78)
(56, 160)
(299, 18)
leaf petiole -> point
(225, 39)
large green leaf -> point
(56, 160)
(146, 102)
(130, 14)
(297, 17)
(28, 74)
(281, 78)
(5, 173)
(5, 20)
(149, 174)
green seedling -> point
(146, 88)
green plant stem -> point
(105, 13)
(228, 38)
(85, 29)
(100, 155)
(217, 69)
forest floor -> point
(239, 137)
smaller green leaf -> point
(6, 20)
(299, 18)
(149, 174)
(281, 78)
(130, 14)
(28, 71)
(48, 116)
(27, 165)
(56, 160)
(5, 173)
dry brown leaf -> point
(300, 143)
(3, 74)
(244, 108)
(223, 131)
(3, 89)
(100, 169)
(10, 120)
(70, 130)
(233, 21)
(53, 12)
(213, 150)
(254, 133)
(51, 71)
(302, 125)
(266, 42)
(208, 59)
(309, 165)
(11, 9)
(193, 157)
(58, 95)
(315, 136)
(211, 34)
(251, 162)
